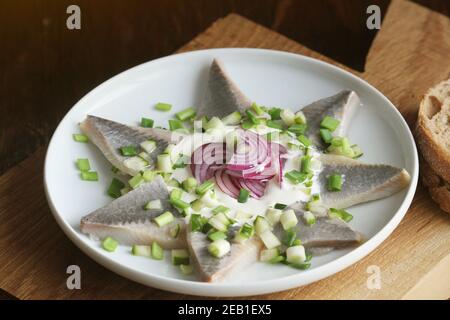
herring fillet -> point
(222, 96)
(125, 219)
(109, 136)
(213, 269)
(341, 106)
(361, 182)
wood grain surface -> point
(406, 57)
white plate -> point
(271, 78)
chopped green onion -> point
(258, 110)
(214, 123)
(300, 266)
(341, 214)
(288, 117)
(274, 124)
(357, 151)
(219, 248)
(89, 175)
(149, 145)
(306, 164)
(251, 117)
(80, 137)
(280, 206)
(143, 251)
(297, 129)
(329, 123)
(246, 231)
(157, 251)
(186, 269)
(180, 256)
(269, 254)
(109, 244)
(269, 239)
(180, 204)
(310, 219)
(247, 125)
(173, 183)
(288, 219)
(175, 194)
(221, 209)
(216, 235)
(205, 186)
(189, 184)
(243, 195)
(232, 119)
(186, 114)
(219, 221)
(135, 163)
(295, 176)
(149, 175)
(83, 165)
(197, 205)
(273, 215)
(163, 106)
(136, 181)
(164, 219)
(334, 182)
(128, 151)
(277, 259)
(326, 135)
(181, 162)
(274, 113)
(296, 254)
(289, 237)
(300, 118)
(175, 125)
(175, 231)
(164, 162)
(115, 187)
(297, 242)
(154, 205)
(304, 140)
(197, 222)
(147, 123)
(125, 190)
(261, 225)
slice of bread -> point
(433, 129)
(439, 189)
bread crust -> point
(435, 152)
(438, 188)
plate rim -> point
(232, 289)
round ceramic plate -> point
(268, 77)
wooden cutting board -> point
(409, 54)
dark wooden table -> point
(45, 68)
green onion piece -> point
(300, 266)
(297, 242)
(300, 118)
(164, 219)
(186, 114)
(288, 117)
(197, 205)
(232, 119)
(288, 219)
(221, 209)
(274, 124)
(219, 248)
(334, 182)
(198, 222)
(214, 123)
(161, 106)
(261, 225)
(189, 184)
(297, 129)
(186, 269)
(329, 123)
(247, 125)
(136, 181)
(140, 250)
(277, 259)
(275, 113)
(341, 214)
(258, 110)
(83, 165)
(173, 183)
(128, 151)
(175, 124)
(149, 175)
(280, 206)
(306, 164)
(310, 219)
(357, 151)
(89, 175)
(164, 162)
(125, 190)
(175, 194)
(295, 177)
(205, 186)
(115, 187)
(80, 137)
(246, 231)
(289, 238)
(109, 244)
(147, 123)
(180, 204)
(243, 195)
(149, 145)
(181, 162)
(304, 140)
(326, 135)
(175, 231)
(180, 256)
(157, 251)
(216, 235)
(251, 117)
(153, 205)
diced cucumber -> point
(143, 251)
(157, 251)
(180, 256)
(269, 239)
(288, 219)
